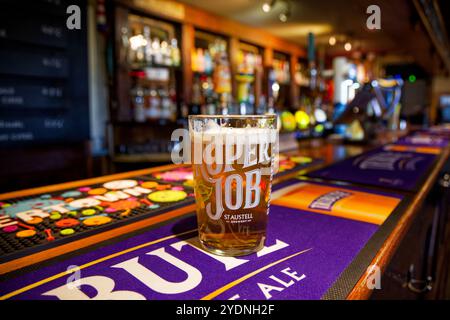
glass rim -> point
(232, 116)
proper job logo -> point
(232, 167)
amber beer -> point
(232, 160)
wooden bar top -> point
(330, 152)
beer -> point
(232, 160)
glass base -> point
(233, 252)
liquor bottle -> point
(140, 54)
(138, 103)
(222, 75)
(208, 62)
(175, 53)
(184, 110)
(131, 49)
(165, 52)
(251, 102)
(157, 55)
(210, 106)
(154, 112)
(262, 107)
(125, 54)
(224, 103)
(200, 60)
(165, 104)
(148, 46)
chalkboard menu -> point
(43, 73)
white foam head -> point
(212, 131)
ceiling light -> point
(267, 5)
(283, 16)
(332, 41)
(348, 46)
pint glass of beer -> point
(232, 159)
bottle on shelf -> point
(131, 56)
(165, 52)
(222, 75)
(154, 111)
(138, 104)
(210, 106)
(208, 63)
(200, 60)
(262, 106)
(251, 102)
(148, 46)
(184, 110)
(157, 54)
(175, 53)
(140, 52)
(125, 44)
(165, 104)
(153, 94)
(225, 102)
(243, 108)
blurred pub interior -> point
(103, 99)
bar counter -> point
(351, 282)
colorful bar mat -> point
(391, 166)
(423, 140)
(440, 130)
(305, 254)
(37, 223)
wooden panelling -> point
(234, 52)
(187, 44)
(268, 57)
(212, 22)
